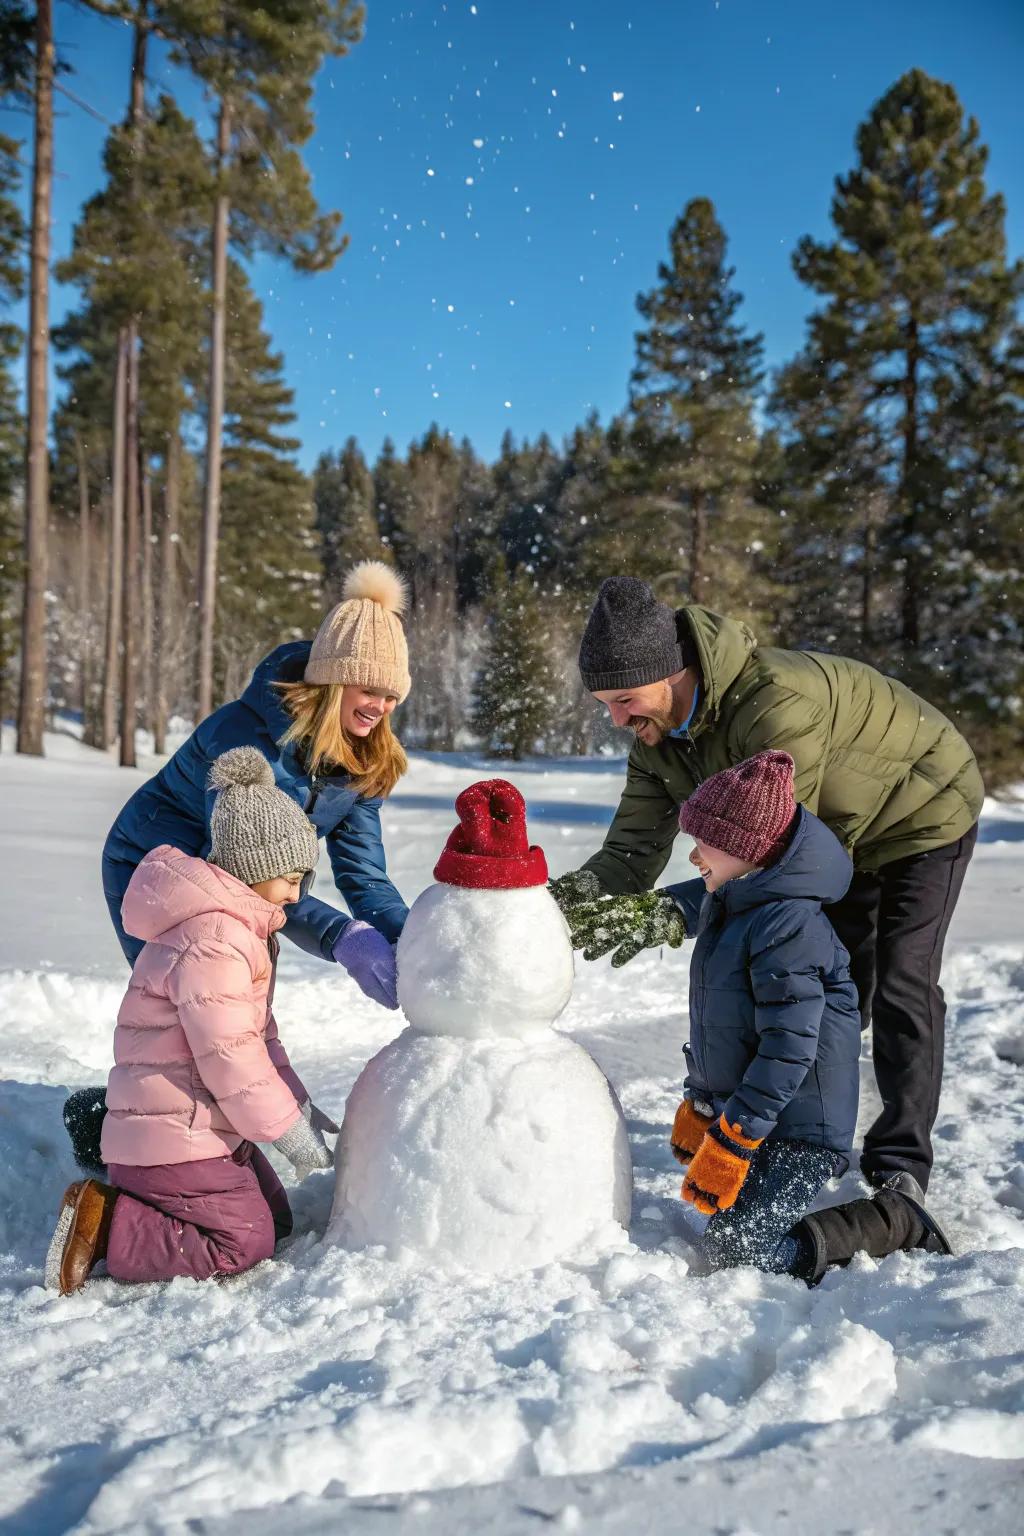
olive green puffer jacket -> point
(886, 771)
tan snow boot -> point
(80, 1237)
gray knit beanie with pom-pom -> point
(258, 832)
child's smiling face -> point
(716, 867)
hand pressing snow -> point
(304, 1148)
(369, 960)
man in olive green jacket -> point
(891, 776)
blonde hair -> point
(375, 762)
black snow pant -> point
(894, 924)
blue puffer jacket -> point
(774, 1021)
(174, 807)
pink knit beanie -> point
(746, 810)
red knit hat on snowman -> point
(490, 849)
(746, 811)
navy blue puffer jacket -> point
(174, 807)
(774, 1022)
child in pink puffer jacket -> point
(199, 1072)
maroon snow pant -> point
(218, 1216)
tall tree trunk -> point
(909, 490)
(32, 701)
(84, 586)
(130, 567)
(214, 426)
(698, 546)
(166, 602)
(132, 447)
(115, 549)
(148, 688)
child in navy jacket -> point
(771, 1091)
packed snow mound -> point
(481, 1155)
(474, 962)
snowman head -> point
(485, 952)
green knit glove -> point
(573, 889)
(626, 924)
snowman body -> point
(480, 1137)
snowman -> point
(480, 1138)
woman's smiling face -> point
(716, 867)
(363, 708)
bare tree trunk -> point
(132, 448)
(130, 568)
(168, 587)
(148, 689)
(214, 425)
(84, 587)
(115, 549)
(32, 701)
(698, 547)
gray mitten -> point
(304, 1148)
(318, 1120)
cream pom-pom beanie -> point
(362, 641)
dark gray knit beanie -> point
(632, 639)
(258, 831)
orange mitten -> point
(719, 1166)
(688, 1131)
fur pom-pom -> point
(379, 582)
(242, 765)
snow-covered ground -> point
(621, 1392)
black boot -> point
(894, 1220)
(906, 1185)
(84, 1113)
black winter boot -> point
(893, 1220)
(84, 1113)
(906, 1185)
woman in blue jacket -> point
(320, 715)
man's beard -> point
(662, 724)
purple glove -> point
(369, 960)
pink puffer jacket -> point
(198, 1066)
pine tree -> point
(391, 496)
(526, 488)
(259, 60)
(517, 697)
(834, 590)
(919, 326)
(425, 550)
(692, 405)
(138, 260)
(346, 515)
(474, 527)
(268, 586)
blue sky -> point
(508, 171)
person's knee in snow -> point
(199, 1004)
(774, 1046)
